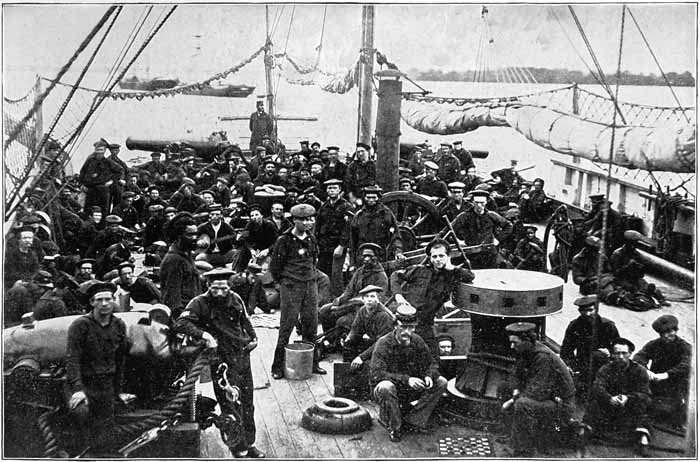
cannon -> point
(206, 149)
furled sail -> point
(663, 148)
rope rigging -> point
(13, 135)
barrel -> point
(299, 360)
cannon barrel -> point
(203, 148)
(406, 148)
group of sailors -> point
(236, 235)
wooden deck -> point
(279, 405)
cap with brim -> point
(126, 264)
(155, 154)
(586, 301)
(443, 337)
(302, 211)
(333, 182)
(597, 197)
(456, 185)
(316, 161)
(592, 241)
(222, 179)
(623, 341)
(260, 149)
(86, 260)
(43, 278)
(370, 246)
(404, 170)
(480, 193)
(333, 148)
(128, 194)
(115, 146)
(303, 142)
(431, 165)
(113, 219)
(665, 323)
(372, 190)
(633, 236)
(520, 327)
(203, 266)
(206, 191)
(152, 187)
(446, 145)
(369, 289)
(170, 209)
(363, 145)
(315, 143)
(99, 143)
(214, 208)
(160, 244)
(219, 274)
(407, 180)
(532, 228)
(155, 207)
(406, 314)
(255, 207)
(100, 287)
(188, 181)
(458, 142)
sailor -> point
(544, 392)
(376, 223)
(188, 163)
(155, 168)
(471, 179)
(465, 157)
(119, 177)
(179, 280)
(278, 218)
(155, 225)
(428, 286)
(614, 237)
(456, 203)
(333, 233)
(96, 347)
(154, 197)
(217, 238)
(21, 261)
(96, 177)
(184, 199)
(85, 270)
(669, 359)
(587, 343)
(222, 193)
(112, 234)
(529, 253)
(258, 236)
(305, 151)
(628, 268)
(269, 173)
(404, 377)
(334, 169)
(23, 296)
(127, 212)
(140, 289)
(219, 318)
(293, 266)
(534, 204)
(480, 226)
(361, 172)
(619, 397)
(430, 185)
(174, 174)
(339, 314)
(584, 270)
(50, 304)
(448, 165)
(372, 321)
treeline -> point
(544, 75)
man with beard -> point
(335, 169)
(96, 177)
(480, 226)
(620, 396)
(258, 236)
(217, 237)
(340, 313)
(293, 266)
(179, 280)
(669, 374)
(374, 222)
(23, 296)
(332, 234)
(529, 253)
(372, 321)
(85, 270)
(140, 289)
(361, 172)
(543, 394)
(534, 203)
(260, 125)
(448, 165)
(587, 343)
(268, 175)
(428, 286)
(430, 185)
(21, 262)
(96, 347)
(218, 317)
(465, 157)
(402, 372)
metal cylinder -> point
(668, 270)
(388, 128)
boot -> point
(317, 369)
(278, 364)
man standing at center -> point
(260, 125)
(293, 266)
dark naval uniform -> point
(230, 326)
(360, 175)
(475, 229)
(94, 175)
(432, 187)
(332, 230)
(448, 168)
(377, 225)
(179, 280)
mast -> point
(269, 62)
(364, 111)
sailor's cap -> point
(586, 301)
(665, 323)
(431, 165)
(302, 211)
(369, 289)
(520, 327)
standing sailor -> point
(96, 177)
(260, 125)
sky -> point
(200, 40)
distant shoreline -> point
(550, 76)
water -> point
(196, 117)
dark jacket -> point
(362, 277)
(226, 235)
(332, 224)
(675, 358)
(542, 376)
(579, 342)
(377, 225)
(374, 323)
(358, 175)
(293, 258)
(96, 171)
(394, 362)
(179, 281)
(477, 229)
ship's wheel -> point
(418, 217)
